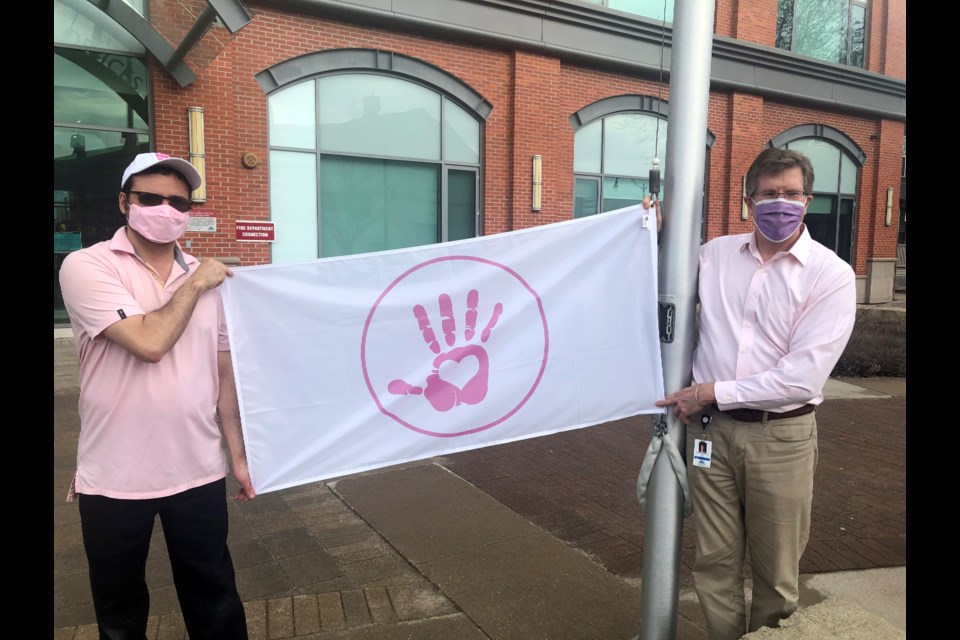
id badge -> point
(702, 452)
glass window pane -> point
(78, 143)
(821, 221)
(825, 159)
(630, 142)
(373, 205)
(622, 192)
(293, 117)
(848, 175)
(820, 205)
(586, 148)
(647, 8)
(461, 204)
(821, 29)
(858, 28)
(586, 197)
(461, 135)
(85, 188)
(293, 205)
(80, 23)
(101, 89)
(784, 24)
(845, 229)
(380, 116)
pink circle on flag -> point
(442, 317)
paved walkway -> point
(538, 539)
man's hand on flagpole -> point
(647, 200)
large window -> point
(831, 30)
(661, 10)
(367, 162)
(100, 122)
(612, 158)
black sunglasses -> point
(148, 199)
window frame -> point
(848, 41)
(450, 90)
(629, 104)
(846, 147)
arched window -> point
(615, 142)
(366, 158)
(836, 159)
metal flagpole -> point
(679, 245)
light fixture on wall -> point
(197, 157)
(744, 211)
(888, 219)
(537, 199)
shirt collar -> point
(800, 249)
(120, 242)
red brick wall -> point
(532, 95)
(888, 37)
(883, 239)
(752, 20)
(540, 128)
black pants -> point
(116, 537)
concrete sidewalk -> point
(540, 539)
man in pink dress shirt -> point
(776, 311)
(157, 405)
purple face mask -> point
(161, 224)
(776, 220)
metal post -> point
(680, 241)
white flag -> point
(352, 363)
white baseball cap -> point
(144, 161)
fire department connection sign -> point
(248, 231)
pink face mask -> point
(161, 224)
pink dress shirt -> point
(146, 430)
(771, 333)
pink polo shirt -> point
(770, 334)
(146, 430)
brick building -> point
(361, 125)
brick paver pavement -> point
(581, 487)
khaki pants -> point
(756, 495)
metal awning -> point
(232, 15)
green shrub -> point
(873, 354)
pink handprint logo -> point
(443, 394)
(464, 364)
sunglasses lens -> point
(150, 199)
(180, 204)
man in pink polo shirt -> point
(157, 405)
(776, 311)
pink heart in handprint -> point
(437, 366)
(441, 390)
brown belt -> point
(755, 415)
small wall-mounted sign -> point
(251, 231)
(202, 220)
